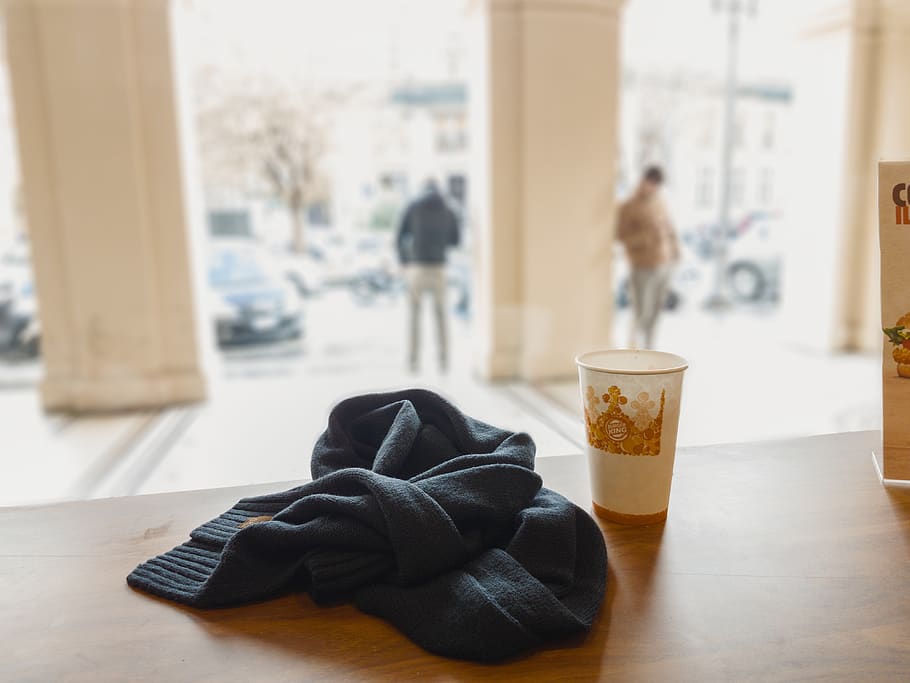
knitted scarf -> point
(418, 514)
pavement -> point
(747, 382)
(269, 404)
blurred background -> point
(199, 204)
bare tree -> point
(291, 144)
(259, 138)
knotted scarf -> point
(418, 514)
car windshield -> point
(236, 269)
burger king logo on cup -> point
(617, 430)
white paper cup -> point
(630, 400)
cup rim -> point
(675, 363)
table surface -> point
(779, 561)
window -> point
(769, 130)
(451, 133)
(766, 187)
(230, 223)
(704, 187)
(707, 132)
(738, 187)
(739, 131)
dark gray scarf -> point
(417, 514)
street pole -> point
(719, 300)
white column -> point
(102, 155)
(545, 124)
(851, 109)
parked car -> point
(336, 257)
(754, 260)
(307, 271)
(349, 259)
(754, 255)
(20, 330)
(253, 302)
(370, 284)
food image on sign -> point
(899, 335)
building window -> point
(704, 187)
(770, 130)
(707, 133)
(451, 133)
(738, 187)
(739, 131)
(766, 187)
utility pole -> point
(735, 10)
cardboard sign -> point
(894, 234)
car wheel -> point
(746, 281)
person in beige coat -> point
(652, 249)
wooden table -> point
(779, 561)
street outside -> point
(296, 333)
(267, 405)
(748, 382)
(269, 402)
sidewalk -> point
(267, 407)
(746, 383)
(269, 404)
(266, 412)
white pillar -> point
(851, 109)
(545, 123)
(100, 141)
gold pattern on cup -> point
(631, 431)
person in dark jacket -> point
(428, 228)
